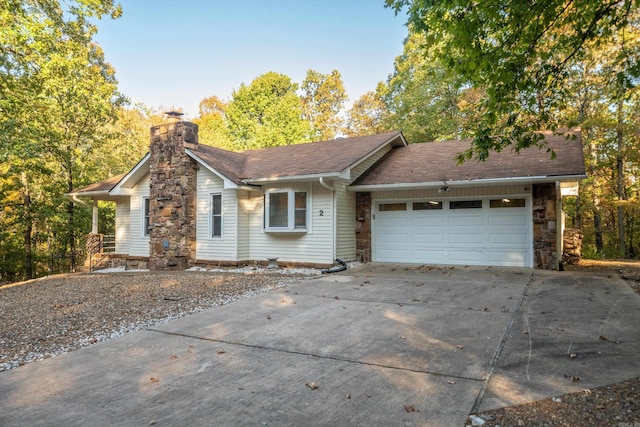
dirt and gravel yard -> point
(53, 315)
(45, 317)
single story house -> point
(366, 198)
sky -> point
(172, 54)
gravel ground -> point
(53, 315)
(45, 317)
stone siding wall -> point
(544, 227)
(172, 197)
(572, 246)
(363, 227)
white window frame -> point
(211, 215)
(146, 216)
(291, 210)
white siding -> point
(123, 226)
(313, 246)
(245, 210)
(346, 223)
(216, 248)
(139, 242)
(366, 164)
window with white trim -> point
(286, 210)
(146, 224)
(216, 215)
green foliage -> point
(519, 52)
(422, 97)
(266, 113)
(323, 98)
(57, 95)
(212, 125)
(368, 115)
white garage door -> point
(488, 231)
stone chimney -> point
(172, 195)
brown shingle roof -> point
(435, 162)
(313, 158)
(98, 187)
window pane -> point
(216, 204)
(425, 206)
(278, 210)
(507, 203)
(147, 224)
(216, 226)
(301, 210)
(216, 215)
(392, 207)
(465, 204)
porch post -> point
(94, 222)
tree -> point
(323, 97)
(367, 115)
(56, 94)
(519, 52)
(212, 123)
(266, 113)
(422, 97)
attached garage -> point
(469, 231)
(418, 205)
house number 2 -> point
(321, 212)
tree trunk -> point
(70, 219)
(621, 191)
(597, 219)
(28, 229)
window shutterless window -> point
(286, 210)
(146, 224)
(216, 215)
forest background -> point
(493, 72)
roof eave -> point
(467, 183)
(346, 172)
(119, 189)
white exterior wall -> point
(224, 248)
(345, 202)
(346, 223)
(313, 246)
(139, 242)
(123, 226)
(245, 211)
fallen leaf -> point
(221, 351)
(312, 385)
(154, 380)
(336, 297)
(451, 382)
(347, 396)
(575, 379)
(459, 347)
(174, 357)
(402, 337)
(367, 394)
(268, 317)
(602, 338)
(572, 356)
(410, 408)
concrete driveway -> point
(377, 345)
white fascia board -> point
(294, 178)
(123, 188)
(227, 183)
(102, 193)
(466, 183)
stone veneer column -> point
(544, 227)
(172, 196)
(363, 227)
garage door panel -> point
(507, 239)
(465, 220)
(437, 256)
(507, 259)
(507, 220)
(463, 238)
(428, 238)
(465, 256)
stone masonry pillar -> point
(172, 196)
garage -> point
(492, 231)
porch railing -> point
(99, 246)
